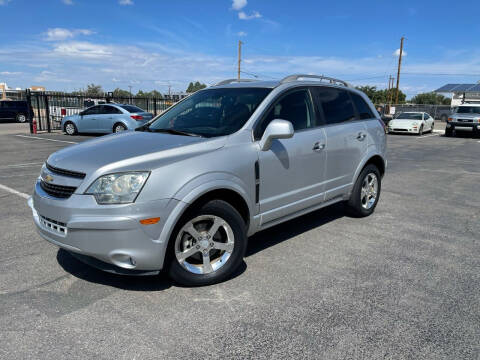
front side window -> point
(94, 110)
(212, 112)
(336, 104)
(364, 111)
(295, 107)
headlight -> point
(121, 188)
(415, 124)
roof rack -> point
(230, 81)
(318, 77)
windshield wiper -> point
(174, 132)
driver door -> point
(292, 171)
(89, 120)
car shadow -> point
(150, 283)
(287, 230)
(256, 243)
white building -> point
(462, 93)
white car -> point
(411, 123)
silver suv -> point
(184, 191)
(465, 118)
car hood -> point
(403, 122)
(130, 150)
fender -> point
(371, 152)
(193, 190)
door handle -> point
(361, 136)
(318, 147)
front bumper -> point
(110, 233)
(463, 126)
(400, 130)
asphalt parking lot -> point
(401, 284)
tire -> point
(119, 127)
(448, 132)
(21, 118)
(70, 128)
(420, 132)
(433, 126)
(188, 258)
(360, 204)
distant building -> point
(462, 93)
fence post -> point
(47, 111)
(28, 97)
(155, 106)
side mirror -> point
(277, 129)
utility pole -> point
(239, 58)
(130, 87)
(399, 66)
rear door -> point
(346, 139)
(291, 172)
(106, 118)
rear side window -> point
(132, 109)
(92, 111)
(363, 109)
(336, 104)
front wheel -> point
(448, 132)
(70, 128)
(366, 192)
(420, 132)
(207, 245)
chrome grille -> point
(64, 172)
(58, 191)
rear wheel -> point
(208, 245)
(366, 192)
(119, 128)
(70, 128)
(21, 118)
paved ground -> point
(403, 283)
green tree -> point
(94, 90)
(192, 87)
(430, 98)
(382, 96)
(120, 93)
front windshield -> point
(409, 116)
(212, 112)
(468, 110)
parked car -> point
(105, 118)
(465, 118)
(411, 123)
(15, 110)
(184, 191)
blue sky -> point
(66, 44)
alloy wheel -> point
(368, 194)
(204, 244)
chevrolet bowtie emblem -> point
(48, 178)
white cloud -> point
(10, 73)
(82, 49)
(68, 2)
(397, 53)
(254, 15)
(60, 34)
(125, 2)
(242, 33)
(4, 2)
(238, 4)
